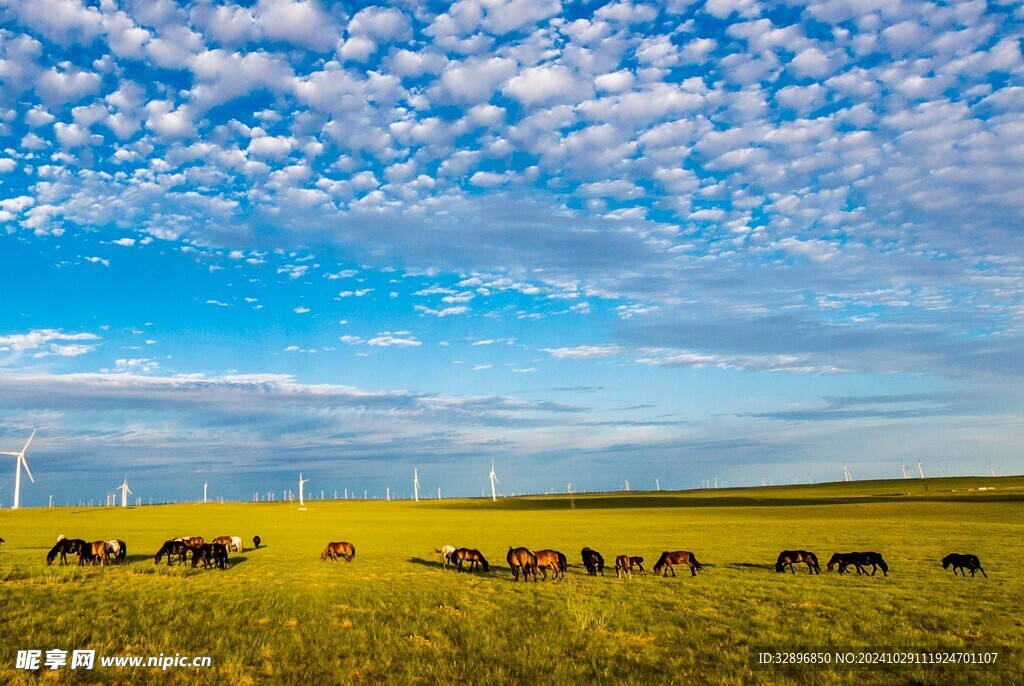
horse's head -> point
(946, 561)
(833, 561)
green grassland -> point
(280, 615)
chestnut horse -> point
(637, 563)
(959, 561)
(521, 560)
(91, 552)
(789, 557)
(224, 541)
(549, 559)
(593, 561)
(623, 566)
(338, 549)
(679, 557)
(471, 555)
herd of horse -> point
(212, 555)
(524, 563)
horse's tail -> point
(696, 565)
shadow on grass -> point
(749, 565)
(434, 564)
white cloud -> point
(584, 352)
(300, 22)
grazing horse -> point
(236, 544)
(473, 556)
(637, 563)
(549, 559)
(170, 549)
(338, 549)
(593, 561)
(859, 562)
(211, 555)
(97, 550)
(959, 561)
(521, 560)
(223, 540)
(623, 566)
(117, 550)
(789, 557)
(679, 557)
(256, 541)
(446, 555)
(64, 547)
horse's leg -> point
(982, 571)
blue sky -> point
(686, 241)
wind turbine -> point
(301, 482)
(18, 464)
(125, 491)
(494, 480)
(920, 469)
(415, 485)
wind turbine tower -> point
(301, 482)
(415, 484)
(920, 469)
(125, 492)
(205, 484)
(19, 462)
(494, 480)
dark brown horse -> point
(859, 561)
(64, 547)
(637, 563)
(961, 562)
(338, 549)
(91, 552)
(473, 556)
(789, 557)
(171, 549)
(256, 541)
(623, 566)
(521, 560)
(593, 561)
(679, 557)
(550, 559)
(211, 555)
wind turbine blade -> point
(25, 465)
(496, 480)
(28, 441)
(15, 454)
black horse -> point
(789, 557)
(211, 555)
(64, 547)
(961, 562)
(859, 561)
(256, 540)
(593, 561)
(171, 549)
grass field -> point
(280, 615)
